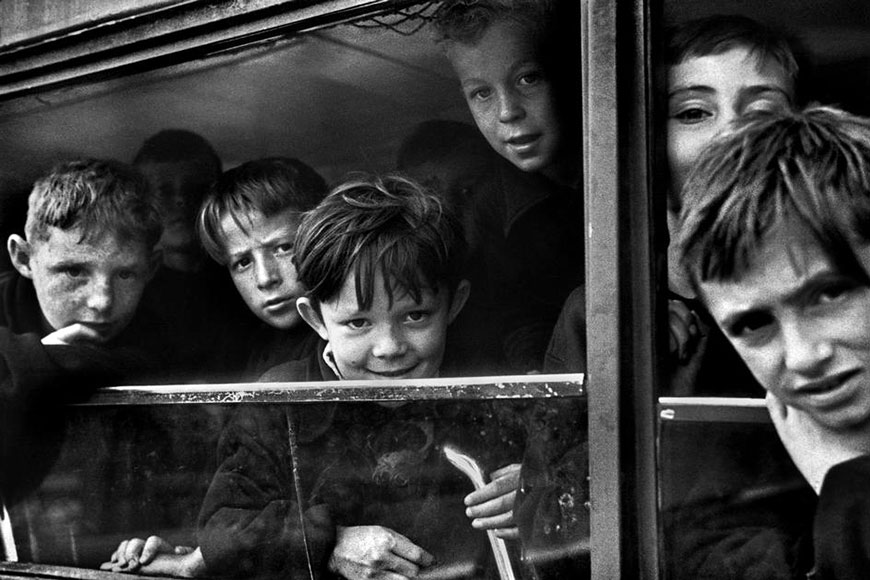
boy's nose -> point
(267, 273)
(101, 296)
(390, 343)
(509, 107)
(806, 352)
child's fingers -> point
(505, 481)
(511, 533)
(507, 470)
(155, 545)
(72, 334)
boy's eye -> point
(417, 316)
(73, 271)
(770, 102)
(126, 274)
(479, 94)
(692, 115)
(530, 78)
(356, 323)
(751, 326)
(284, 249)
(834, 291)
(241, 264)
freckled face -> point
(97, 282)
(404, 339)
(260, 261)
(706, 94)
(510, 97)
(802, 327)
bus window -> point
(345, 87)
(732, 503)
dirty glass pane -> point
(733, 504)
(263, 488)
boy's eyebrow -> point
(751, 93)
(706, 89)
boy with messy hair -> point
(247, 223)
(514, 66)
(381, 262)
(69, 313)
(775, 233)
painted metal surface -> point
(512, 387)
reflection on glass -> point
(733, 505)
(229, 479)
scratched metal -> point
(508, 387)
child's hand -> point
(375, 552)
(73, 334)
(813, 447)
(492, 506)
(684, 330)
(156, 557)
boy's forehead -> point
(503, 36)
(74, 243)
(737, 59)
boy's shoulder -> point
(309, 368)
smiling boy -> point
(775, 233)
(513, 66)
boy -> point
(775, 234)
(381, 261)
(69, 312)
(528, 217)
(248, 224)
(180, 166)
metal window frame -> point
(619, 214)
(621, 301)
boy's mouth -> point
(394, 374)
(279, 304)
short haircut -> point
(465, 21)
(268, 186)
(720, 33)
(810, 167)
(374, 224)
(180, 146)
(98, 196)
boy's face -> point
(260, 261)
(388, 341)
(509, 95)
(802, 327)
(180, 188)
(707, 93)
(96, 282)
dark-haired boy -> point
(775, 234)
(381, 261)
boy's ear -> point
(19, 253)
(310, 315)
(460, 297)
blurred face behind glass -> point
(180, 188)
(802, 326)
(707, 93)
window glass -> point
(732, 503)
(227, 477)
